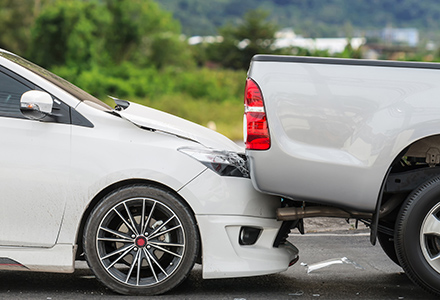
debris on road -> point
(329, 262)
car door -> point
(34, 169)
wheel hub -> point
(141, 241)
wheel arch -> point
(107, 190)
(420, 148)
(426, 148)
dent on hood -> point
(150, 118)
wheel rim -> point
(430, 237)
(140, 242)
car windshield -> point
(58, 81)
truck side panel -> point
(336, 128)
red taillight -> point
(255, 121)
(252, 97)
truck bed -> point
(337, 125)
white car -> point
(138, 193)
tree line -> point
(310, 18)
(82, 33)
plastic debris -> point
(335, 261)
(298, 293)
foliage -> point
(254, 35)
(16, 18)
(128, 80)
(349, 52)
(312, 18)
(144, 34)
(201, 17)
(81, 34)
(69, 33)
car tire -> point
(141, 240)
(417, 236)
(387, 243)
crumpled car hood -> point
(150, 118)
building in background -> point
(287, 38)
(395, 36)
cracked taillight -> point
(256, 132)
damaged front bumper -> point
(223, 256)
(238, 227)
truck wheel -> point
(417, 236)
(387, 243)
(141, 240)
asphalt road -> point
(380, 278)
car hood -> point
(150, 118)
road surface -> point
(379, 277)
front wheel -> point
(417, 236)
(141, 240)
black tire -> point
(387, 243)
(417, 242)
(134, 228)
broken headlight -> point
(224, 163)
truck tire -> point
(141, 240)
(417, 236)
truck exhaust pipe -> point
(296, 213)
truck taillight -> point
(256, 132)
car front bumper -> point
(223, 206)
(223, 256)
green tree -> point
(81, 34)
(143, 33)
(254, 35)
(70, 33)
(16, 19)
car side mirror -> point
(36, 105)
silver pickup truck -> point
(352, 139)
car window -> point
(58, 81)
(10, 94)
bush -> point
(215, 85)
(127, 80)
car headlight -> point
(224, 163)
